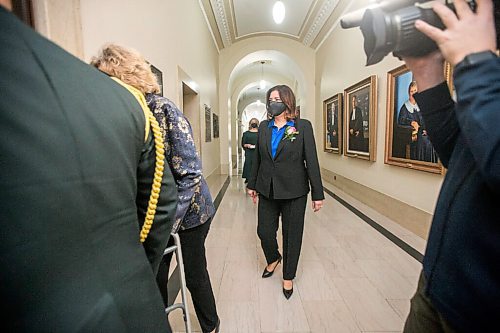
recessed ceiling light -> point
(278, 12)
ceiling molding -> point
(222, 22)
(341, 9)
(266, 34)
(210, 19)
(320, 19)
(311, 30)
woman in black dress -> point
(410, 117)
(248, 142)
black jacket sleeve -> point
(438, 110)
(312, 164)
(156, 242)
(478, 114)
(244, 140)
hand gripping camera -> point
(389, 26)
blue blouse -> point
(277, 134)
(195, 205)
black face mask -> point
(276, 108)
(253, 125)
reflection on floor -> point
(350, 277)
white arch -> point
(301, 65)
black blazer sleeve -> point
(244, 140)
(439, 114)
(312, 164)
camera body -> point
(389, 26)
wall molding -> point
(407, 216)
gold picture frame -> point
(406, 142)
(360, 126)
(332, 124)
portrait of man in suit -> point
(332, 126)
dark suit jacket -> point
(74, 175)
(461, 261)
(294, 167)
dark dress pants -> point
(423, 317)
(197, 278)
(292, 213)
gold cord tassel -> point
(158, 175)
(160, 157)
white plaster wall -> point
(173, 35)
(340, 62)
(59, 21)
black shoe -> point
(218, 326)
(287, 293)
(266, 273)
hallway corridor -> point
(350, 277)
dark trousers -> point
(292, 213)
(423, 317)
(197, 278)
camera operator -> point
(459, 288)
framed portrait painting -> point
(332, 124)
(216, 125)
(159, 77)
(407, 143)
(208, 124)
(360, 119)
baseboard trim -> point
(409, 217)
(221, 194)
(386, 233)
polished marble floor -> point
(350, 277)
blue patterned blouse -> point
(195, 205)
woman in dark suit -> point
(284, 169)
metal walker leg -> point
(179, 283)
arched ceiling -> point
(271, 66)
(306, 21)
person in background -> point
(76, 172)
(195, 208)
(355, 126)
(332, 126)
(248, 142)
(285, 165)
(459, 287)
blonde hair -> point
(127, 65)
(253, 120)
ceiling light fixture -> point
(278, 12)
(262, 82)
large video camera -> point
(389, 26)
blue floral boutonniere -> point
(291, 133)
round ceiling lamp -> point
(278, 12)
(262, 84)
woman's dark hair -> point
(287, 97)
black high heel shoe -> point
(267, 273)
(218, 326)
(288, 292)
